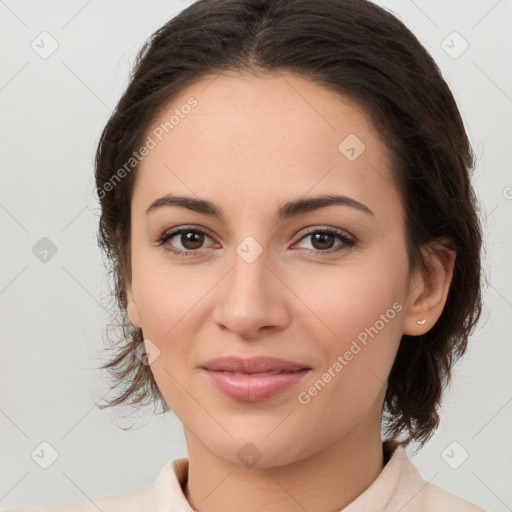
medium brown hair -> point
(362, 52)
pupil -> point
(322, 238)
(191, 240)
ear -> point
(131, 306)
(429, 291)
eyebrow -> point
(286, 210)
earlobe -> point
(131, 307)
(428, 297)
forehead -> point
(275, 134)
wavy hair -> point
(365, 53)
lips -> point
(254, 379)
(259, 364)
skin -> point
(252, 143)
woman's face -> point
(261, 279)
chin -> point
(259, 450)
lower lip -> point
(250, 388)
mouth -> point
(253, 374)
(260, 364)
(255, 379)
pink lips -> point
(254, 379)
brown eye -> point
(184, 241)
(324, 240)
(191, 240)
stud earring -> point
(421, 322)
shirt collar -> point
(170, 484)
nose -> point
(251, 298)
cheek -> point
(166, 294)
(359, 315)
(167, 300)
(345, 300)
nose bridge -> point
(249, 277)
(251, 255)
(248, 296)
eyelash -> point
(347, 241)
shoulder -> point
(132, 501)
(437, 498)
(163, 493)
(415, 494)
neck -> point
(328, 480)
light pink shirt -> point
(398, 488)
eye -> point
(322, 240)
(191, 239)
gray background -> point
(52, 313)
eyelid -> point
(323, 228)
(347, 240)
(171, 233)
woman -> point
(286, 203)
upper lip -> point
(253, 364)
